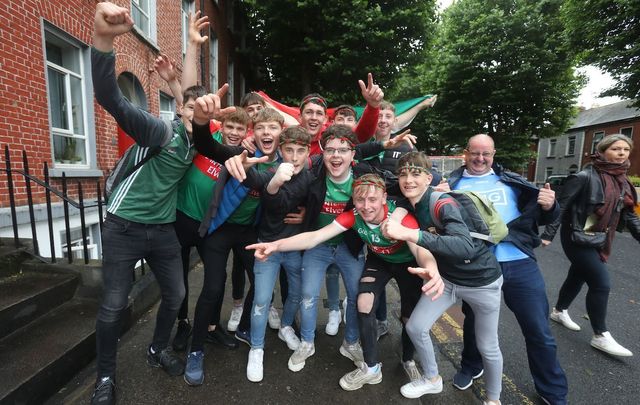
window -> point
(628, 131)
(132, 90)
(187, 7)
(230, 79)
(77, 248)
(571, 146)
(213, 60)
(229, 11)
(167, 107)
(597, 137)
(552, 148)
(67, 100)
(143, 13)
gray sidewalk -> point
(225, 370)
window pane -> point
(77, 113)
(62, 53)
(69, 150)
(627, 131)
(140, 20)
(57, 102)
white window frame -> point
(68, 74)
(231, 80)
(185, 22)
(569, 139)
(551, 151)
(167, 114)
(150, 14)
(213, 60)
(77, 249)
(597, 137)
(630, 128)
(548, 171)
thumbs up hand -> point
(546, 197)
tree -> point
(308, 46)
(501, 67)
(607, 32)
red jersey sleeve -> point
(410, 222)
(345, 220)
(366, 128)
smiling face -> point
(295, 154)
(187, 114)
(233, 133)
(618, 152)
(369, 201)
(413, 183)
(337, 156)
(253, 109)
(348, 120)
(313, 117)
(267, 136)
(479, 154)
(386, 121)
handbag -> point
(588, 238)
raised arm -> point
(373, 95)
(190, 69)
(404, 119)
(301, 241)
(167, 72)
(146, 129)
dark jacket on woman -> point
(581, 195)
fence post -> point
(49, 214)
(32, 216)
(12, 200)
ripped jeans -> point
(266, 274)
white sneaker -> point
(416, 389)
(607, 344)
(563, 318)
(288, 335)
(234, 319)
(412, 371)
(361, 376)
(353, 352)
(299, 357)
(494, 402)
(274, 318)
(254, 365)
(333, 323)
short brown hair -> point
(314, 98)
(296, 134)
(193, 92)
(338, 131)
(385, 105)
(345, 111)
(414, 160)
(363, 184)
(239, 116)
(251, 99)
(268, 114)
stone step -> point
(43, 356)
(27, 295)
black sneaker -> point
(104, 393)
(181, 339)
(221, 337)
(165, 360)
(243, 336)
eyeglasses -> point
(340, 151)
(478, 154)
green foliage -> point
(607, 34)
(635, 180)
(304, 46)
(500, 67)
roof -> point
(619, 111)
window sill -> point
(140, 34)
(72, 172)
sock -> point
(374, 369)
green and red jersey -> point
(335, 202)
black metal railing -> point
(67, 201)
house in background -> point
(46, 95)
(567, 153)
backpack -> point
(484, 223)
(120, 171)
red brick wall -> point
(23, 96)
(614, 128)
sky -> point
(597, 80)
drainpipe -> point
(202, 73)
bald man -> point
(523, 207)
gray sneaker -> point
(412, 371)
(383, 328)
(353, 352)
(359, 377)
(302, 353)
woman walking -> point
(594, 204)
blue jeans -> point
(124, 243)
(314, 265)
(524, 294)
(333, 287)
(266, 274)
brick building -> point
(46, 94)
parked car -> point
(556, 181)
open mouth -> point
(267, 143)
